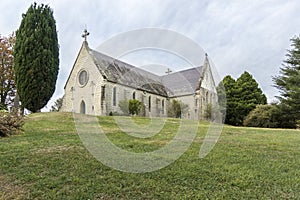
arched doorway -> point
(82, 107)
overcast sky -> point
(238, 35)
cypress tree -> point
(36, 57)
(229, 87)
(242, 96)
(248, 95)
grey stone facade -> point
(97, 83)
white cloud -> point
(239, 36)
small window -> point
(133, 95)
(149, 104)
(114, 96)
(163, 106)
(102, 93)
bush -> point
(134, 107)
(176, 109)
(298, 124)
(10, 124)
(212, 112)
(2, 107)
(261, 116)
(270, 116)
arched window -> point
(114, 96)
(82, 107)
(206, 98)
(149, 103)
(133, 95)
(163, 106)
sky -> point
(238, 35)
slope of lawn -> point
(49, 161)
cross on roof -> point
(85, 34)
(168, 71)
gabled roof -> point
(123, 73)
(183, 82)
(179, 83)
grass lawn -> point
(49, 161)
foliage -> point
(229, 101)
(212, 111)
(242, 96)
(134, 106)
(176, 108)
(49, 161)
(10, 124)
(282, 116)
(57, 105)
(36, 57)
(124, 106)
(221, 92)
(7, 82)
(269, 116)
(288, 82)
(261, 116)
(3, 107)
(248, 95)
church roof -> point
(179, 83)
(123, 73)
(183, 82)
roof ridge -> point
(123, 62)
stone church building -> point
(98, 82)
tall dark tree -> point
(242, 96)
(288, 82)
(7, 82)
(248, 95)
(227, 100)
(36, 57)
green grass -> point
(48, 161)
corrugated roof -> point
(175, 84)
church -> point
(98, 82)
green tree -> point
(242, 96)
(36, 57)
(7, 78)
(57, 105)
(229, 99)
(247, 96)
(288, 82)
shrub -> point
(10, 124)
(270, 116)
(176, 109)
(261, 116)
(134, 107)
(212, 112)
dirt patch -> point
(9, 190)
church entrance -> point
(82, 107)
